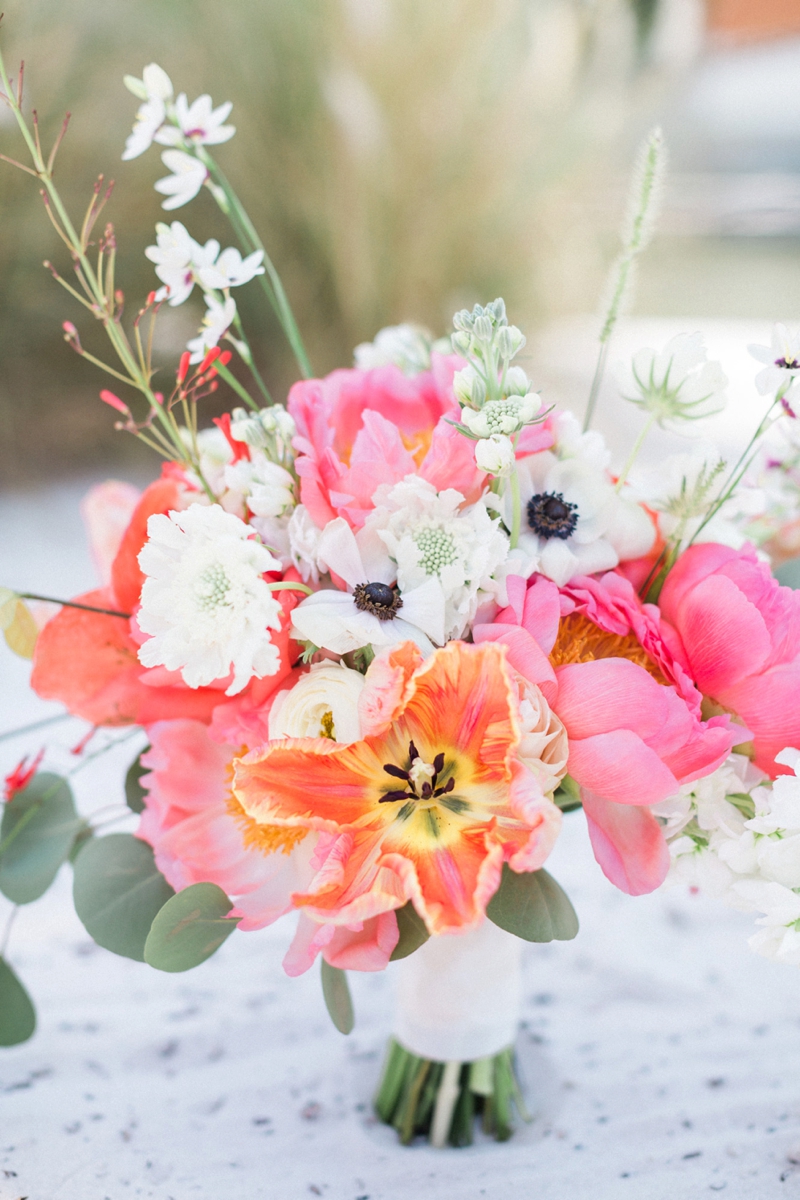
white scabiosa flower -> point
(188, 176)
(435, 536)
(502, 416)
(204, 601)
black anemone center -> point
(379, 599)
(551, 516)
(789, 364)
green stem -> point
(286, 585)
(23, 729)
(254, 371)
(106, 612)
(634, 454)
(233, 382)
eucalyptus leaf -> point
(190, 927)
(413, 932)
(788, 573)
(118, 891)
(134, 792)
(17, 1014)
(338, 1002)
(531, 905)
(21, 631)
(37, 833)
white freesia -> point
(199, 123)
(204, 600)
(782, 358)
(495, 455)
(155, 89)
(188, 176)
(434, 536)
(216, 323)
(345, 621)
(323, 703)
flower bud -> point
(483, 329)
(509, 341)
(461, 343)
(495, 455)
(517, 382)
(463, 321)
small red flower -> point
(21, 776)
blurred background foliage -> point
(400, 158)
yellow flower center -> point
(580, 640)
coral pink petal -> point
(107, 509)
(367, 949)
(694, 565)
(611, 693)
(770, 705)
(524, 654)
(542, 612)
(725, 635)
(628, 844)
(619, 766)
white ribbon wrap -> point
(458, 996)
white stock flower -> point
(204, 601)
(495, 454)
(155, 89)
(573, 520)
(371, 612)
(267, 487)
(675, 384)
(405, 346)
(782, 358)
(216, 323)
(323, 703)
(188, 176)
(198, 122)
(304, 539)
(261, 428)
(230, 269)
(433, 536)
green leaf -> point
(8, 607)
(788, 573)
(37, 832)
(412, 932)
(134, 792)
(568, 795)
(338, 1002)
(17, 1014)
(189, 928)
(118, 890)
(532, 906)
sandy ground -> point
(660, 1056)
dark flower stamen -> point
(788, 364)
(428, 790)
(551, 516)
(379, 599)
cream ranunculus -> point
(543, 747)
(323, 703)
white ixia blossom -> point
(573, 520)
(155, 89)
(181, 262)
(219, 317)
(198, 123)
(188, 176)
(676, 384)
(405, 346)
(372, 611)
(323, 703)
(205, 602)
(782, 359)
(436, 536)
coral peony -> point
(631, 713)
(737, 632)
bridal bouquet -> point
(380, 638)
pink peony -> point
(737, 631)
(359, 429)
(631, 713)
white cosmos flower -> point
(323, 703)
(676, 384)
(782, 360)
(573, 520)
(188, 176)
(204, 600)
(155, 89)
(230, 269)
(199, 122)
(216, 323)
(371, 612)
(433, 537)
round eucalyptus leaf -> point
(118, 890)
(134, 792)
(17, 1014)
(338, 1002)
(413, 932)
(531, 905)
(21, 632)
(37, 832)
(788, 573)
(189, 928)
